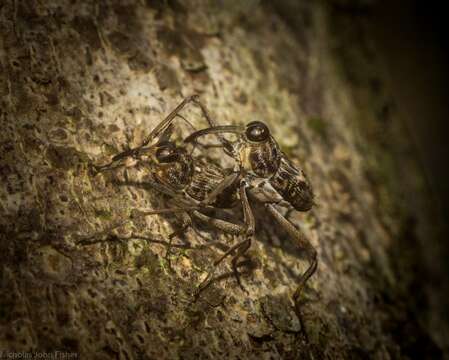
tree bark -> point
(82, 81)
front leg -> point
(162, 131)
(116, 163)
(165, 124)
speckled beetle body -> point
(269, 177)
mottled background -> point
(355, 94)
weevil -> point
(173, 169)
(266, 175)
(192, 183)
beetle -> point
(194, 184)
(266, 175)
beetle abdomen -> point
(207, 177)
(176, 175)
(261, 159)
(293, 185)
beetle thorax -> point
(261, 159)
(176, 175)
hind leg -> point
(304, 245)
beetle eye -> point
(257, 131)
(166, 154)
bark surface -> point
(81, 81)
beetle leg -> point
(186, 224)
(225, 183)
(112, 165)
(227, 227)
(164, 124)
(208, 280)
(304, 244)
(162, 130)
(223, 225)
(227, 145)
(247, 230)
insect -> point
(268, 176)
(192, 183)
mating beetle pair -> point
(262, 172)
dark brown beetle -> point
(267, 175)
(192, 184)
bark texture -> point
(82, 80)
